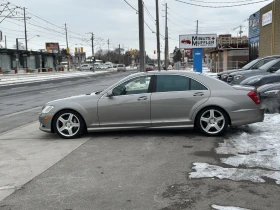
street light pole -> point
(141, 36)
(25, 31)
(158, 34)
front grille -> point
(229, 79)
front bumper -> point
(45, 125)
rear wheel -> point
(212, 121)
(69, 124)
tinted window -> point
(134, 86)
(261, 63)
(249, 65)
(167, 83)
(269, 64)
(277, 65)
(196, 85)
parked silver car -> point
(167, 99)
(271, 67)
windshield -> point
(252, 63)
(269, 64)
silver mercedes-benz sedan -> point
(155, 100)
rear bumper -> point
(247, 116)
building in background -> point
(254, 35)
(270, 29)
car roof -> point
(271, 56)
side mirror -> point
(110, 93)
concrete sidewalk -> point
(26, 152)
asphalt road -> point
(20, 104)
(123, 170)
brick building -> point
(270, 29)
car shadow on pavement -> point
(190, 133)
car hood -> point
(230, 71)
(75, 98)
(247, 72)
(272, 86)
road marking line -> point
(48, 91)
(20, 112)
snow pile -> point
(227, 208)
(255, 150)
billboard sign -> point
(254, 25)
(198, 41)
(52, 47)
(267, 18)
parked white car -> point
(121, 67)
(85, 67)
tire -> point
(212, 121)
(69, 124)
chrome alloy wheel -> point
(68, 124)
(212, 121)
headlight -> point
(272, 92)
(224, 76)
(237, 77)
(47, 109)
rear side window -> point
(196, 85)
(169, 83)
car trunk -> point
(247, 88)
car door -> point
(129, 106)
(174, 99)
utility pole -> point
(196, 27)
(5, 42)
(158, 36)
(166, 39)
(67, 45)
(92, 50)
(141, 36)
(108, 49)
(119, 53)
(25, 28)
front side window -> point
(137, 85)
(169, 83)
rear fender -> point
(223, 103)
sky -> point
(116, 21)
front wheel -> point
(69, 124)
(212, 121)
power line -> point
(148, 12)
(221, 2)
(130, 5)
(236, 5)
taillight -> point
(254, 96)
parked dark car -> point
(270, 97)
(236, 78)
(255, 64)
(261, 80)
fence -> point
(224, 66)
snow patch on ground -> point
(255, 148)
(205, 170)
(227, 207)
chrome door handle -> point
(198, 94)
(142, 98)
